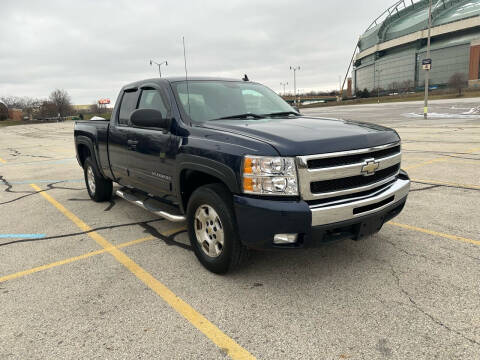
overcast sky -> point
(92, 48)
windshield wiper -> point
(241, 116)
(282, 113)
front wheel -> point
(99, 188)
(212, 229)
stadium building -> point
(392, 48)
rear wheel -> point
(99, 188)
(212, 229)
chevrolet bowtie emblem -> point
(370, 167)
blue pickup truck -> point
(242, 167)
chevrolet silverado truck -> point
(241, 166)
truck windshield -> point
(209, 100)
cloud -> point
(92, 48)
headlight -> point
(269, 176)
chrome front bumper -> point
(329, 213)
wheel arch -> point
(195, 171)
(85, 148)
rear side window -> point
(154, 99)
(129, 103)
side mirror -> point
(296, 109)
(149, 118)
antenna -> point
(186, 74)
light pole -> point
(427, 69)
(284, 84)
(378, 71)
(159, 64)
(295, 68)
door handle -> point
(132, 144)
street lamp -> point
(284, 84)
(378, 72)
(159, 64)
(295, 68)
(427, 67)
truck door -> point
(156, 148)
(121, 138)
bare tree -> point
(62, 101)
(13, 102)
(47, 109)
(29, 105)
(3, 111)
(394, 87)
(94, 108)
(407, 85)
(458, 81)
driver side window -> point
(129, 101)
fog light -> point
(285, 239)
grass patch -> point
(8, 122)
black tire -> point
(102, 190)
(233, 251)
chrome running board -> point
(162, 213)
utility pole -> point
(284, 84)
(376, 79)
(159, 64)
(378, 71)
(427, 69)
(295, 68)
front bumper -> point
(260, 219)
(332, 213)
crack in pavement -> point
(460, 253)
(168, 240)
(50, 186)
(438, 141)
(463, 157)
(424, 312)
(10, 186)
(444, 185)
(443, 153)
(14, 152)
(80, 232)
(424, 188)
(402, 250)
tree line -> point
(58, 104)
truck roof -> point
(172, 79)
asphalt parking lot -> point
(80, 279)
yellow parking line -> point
(3, 161)
(434, 182)
(70, 260)
(224, 342)
(435, 233)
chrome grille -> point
(351, 159)
(353, 181)
(343, 173)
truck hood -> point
(308, 135)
